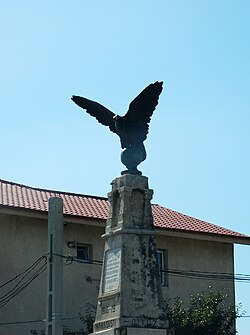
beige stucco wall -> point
(196, 255)
(24, 239)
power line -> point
(27, 278)
(208, 275)
(24, 282)
(174, 272)
(20, 322)
(20, 281)
(18, 289)
(222, 276)
(36, 321)
(71, 259)
(30, 267)
(18, 327)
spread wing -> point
(143, 106)
(141, 109)
(101, 113)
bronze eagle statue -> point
(132, 128)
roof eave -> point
(204, 236)
(39, 214)
(43, 215)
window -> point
(162, 258)
(83, 252)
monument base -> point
(130, 296)
(146, 331)
(135, 331)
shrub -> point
(207, 314)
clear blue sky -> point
(198, 147)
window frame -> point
(162, 260)
(89, 249)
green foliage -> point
(207, 314)
(89, 318)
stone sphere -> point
(131, 157)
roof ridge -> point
(52, 191)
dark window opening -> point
(83, 252)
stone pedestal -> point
(130, 296)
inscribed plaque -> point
(111, 273)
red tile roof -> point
(18, 196)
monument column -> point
(130, 295)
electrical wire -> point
(27, 278)
(36, 321)
(21, 322)
(71, 259)
(208, 275)
(27, 272)
(30, 267)
(24, 282)
(223, 276)
(18, 289)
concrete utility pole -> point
(54, 317)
